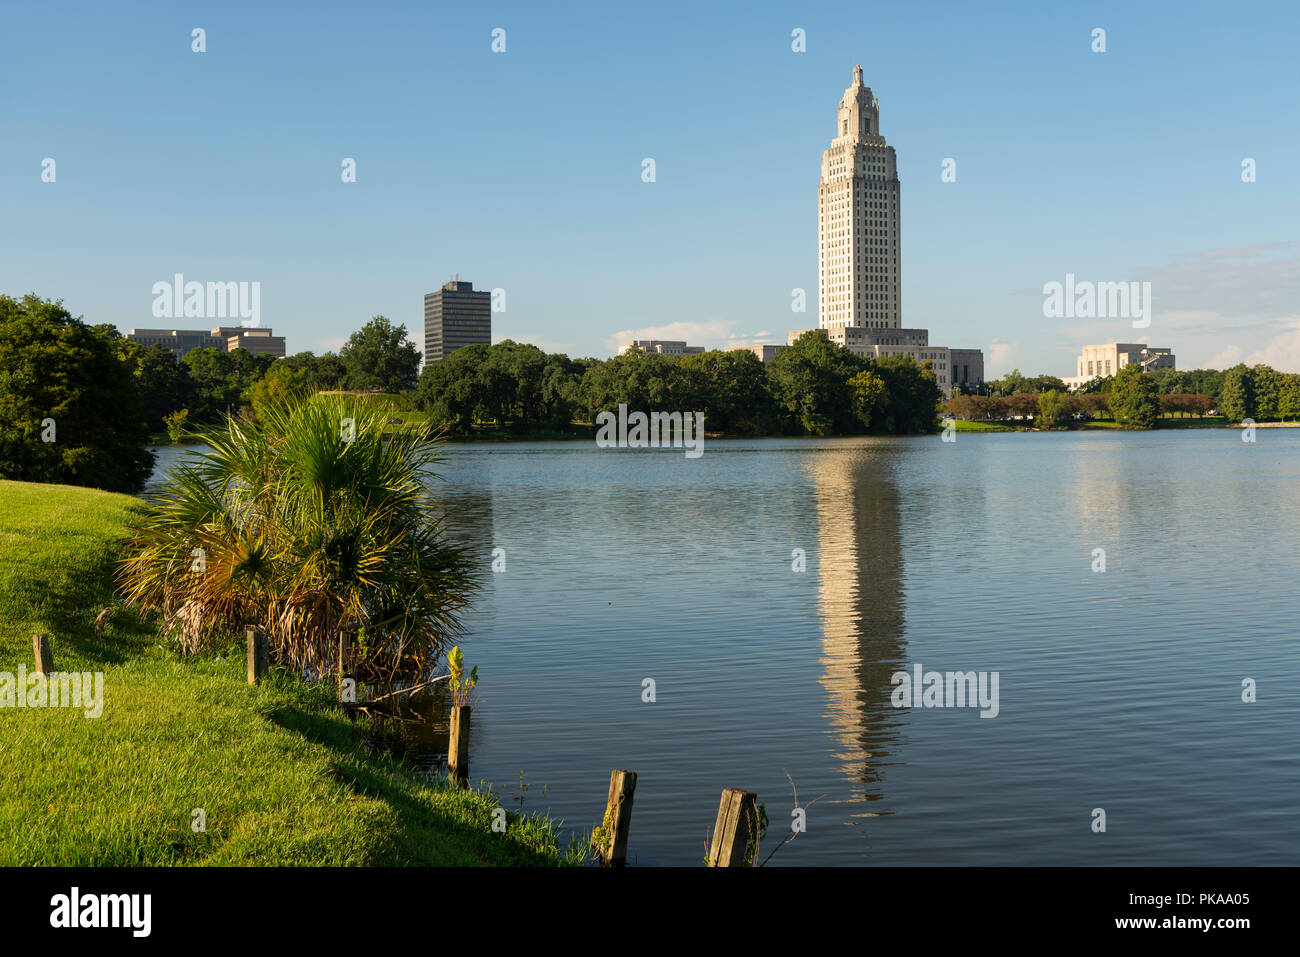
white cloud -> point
(713, 334)
(1282, 352)
(1001, 359)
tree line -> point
(814, 387)
(1137, 399)
(79, 403)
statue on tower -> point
(857, 76)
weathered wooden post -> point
(43, 654)
(737, 815)
(458, 746)
(258, 658)
(618, 818)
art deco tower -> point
(857, 220)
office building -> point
(456, 315)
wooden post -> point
(343, 645)
(618, 817)
(458, 746)
(43, 654)
(257, 655)
(737, 815)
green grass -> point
(968, 425)
(281, 774)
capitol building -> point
(859, 302)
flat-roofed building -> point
(258, 342)
(456, 315)
(967, 368)
(1108, 358)
(766, 353)
(225, 338)
(665, 347)
(179, 341)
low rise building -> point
(967, 368)
(258, 342)
(766, 353)
(1104, 360)
(665, 347)
(879, 343)
(256, 339)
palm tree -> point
(312, 523)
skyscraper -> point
(859, 301)
(454, 316)
(858, 220)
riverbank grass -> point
(275, 774)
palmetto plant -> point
(311, 523)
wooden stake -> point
(258, 659)
(43, 654)
(458, 746)
(737, 814)
(618, 817)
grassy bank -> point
(281, 775)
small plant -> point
(522, 792)
(461, 685)
(601, 837)
(176, 423)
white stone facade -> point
(666, 347)
(1108, 358)
(858, 220)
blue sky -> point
(522, 170)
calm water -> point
(1118, 690)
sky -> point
(522, 170)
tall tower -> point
(857, 220)
(454, 316)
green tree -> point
(866, 389)
(380, 357)
(175, 424)
(1268, 383)
(447, 389)
(163, 383)
(809, 381)
(730, 388)
(282, 385)
(69, 408)
(1237, 397)
(910, 402)
(324, 372)
(1055, 410)
(1134, 401)
(1288, 397)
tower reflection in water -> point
(861, 608)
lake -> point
(1118, 689)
